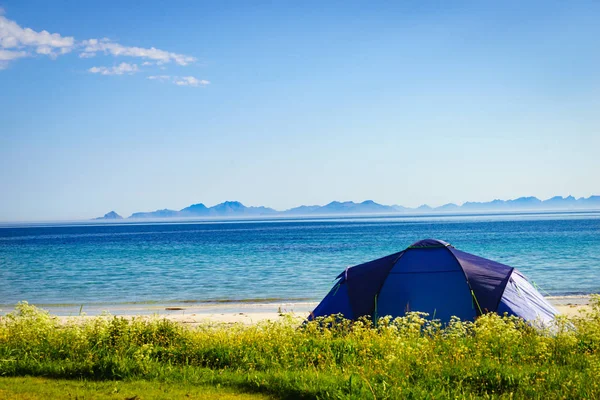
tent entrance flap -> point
(445, 294)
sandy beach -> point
(229, 313)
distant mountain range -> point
(237, 209)
(227, 209)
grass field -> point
(410, 357)
(33, 388)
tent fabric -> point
(486, 277)
(432, 276)
(520, 298)
(364, 282)
(421, 272)
(429, 243)
(336, 302)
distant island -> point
(110, 215)
(237, 209)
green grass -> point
(409, 357)
(31, 388)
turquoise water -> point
(281, 259)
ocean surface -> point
(278, 260)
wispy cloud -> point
(17, 42)
(190, 81)
(87, 55)
(120, 69)
(106, 46)
(180, 80)
(161, 78)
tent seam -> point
(385, 279)
(466, 279)
(508, 278)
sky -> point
(137, 106)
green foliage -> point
(408, 357)
(34, 388)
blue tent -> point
(433, 277)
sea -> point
(242, 261)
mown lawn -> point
(409, 357)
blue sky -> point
(165, 104)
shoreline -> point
(168, 308)
(193, 314)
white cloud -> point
(120, 69)
(13, 36)
(46, 50)
(190, 81)
(107, 46)
(87, 55)
(7, 56)
(180, 80)
(17, 42)
(161, 78)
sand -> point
(229, 313)
(570, 305)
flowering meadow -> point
(408, 357)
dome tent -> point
(433, 277)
